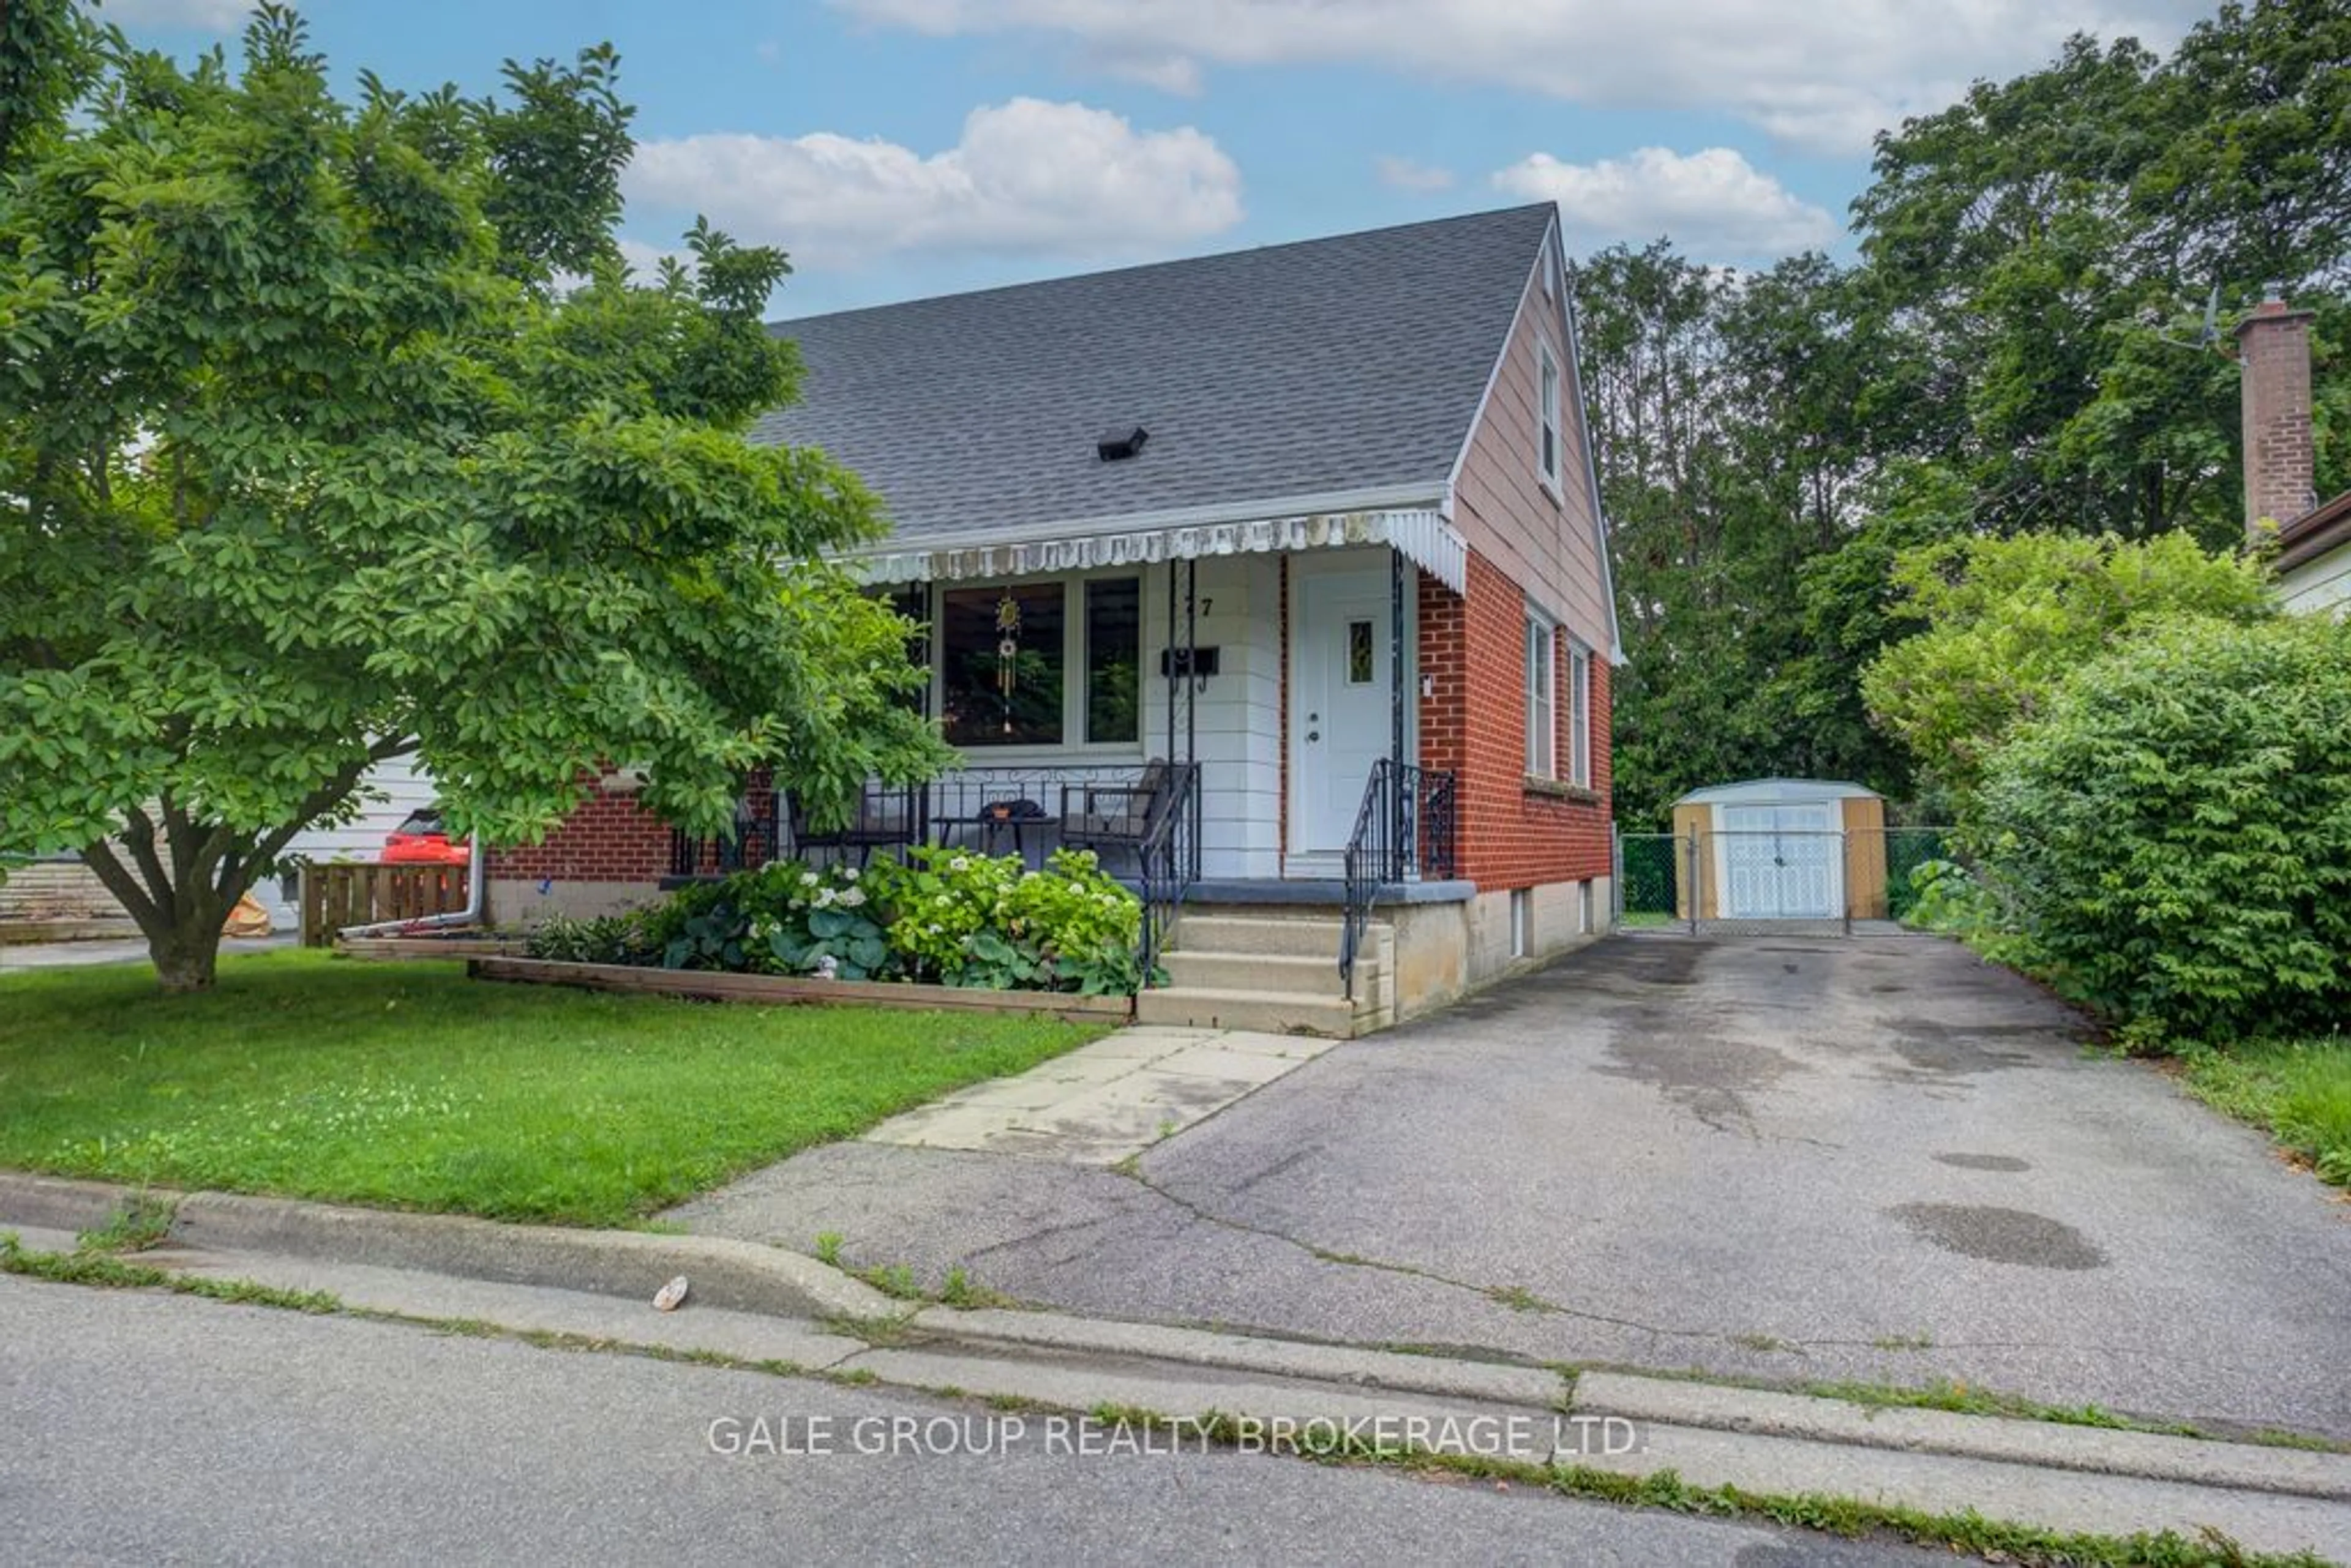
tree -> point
(2172, 829)
(2005, 621)
(1732, 418)
(311, 455)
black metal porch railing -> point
(1403, 828)
(758, 831)
(991, 808)
(1170, 863)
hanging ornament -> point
(1007, 651)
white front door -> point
(1341, 720)
(1781, 863)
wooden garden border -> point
(782, 990)
(422, 946)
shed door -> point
(1781, 862)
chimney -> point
(2273, 358)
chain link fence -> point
(1781, 882)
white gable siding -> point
(1542, 539)
(2321, 584)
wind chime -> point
(1007, 651)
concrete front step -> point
(1275, 937)
(1227, 970)
(1270, 1012)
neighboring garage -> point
(1783, 849)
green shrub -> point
(606, 940)
(948, 916)
(971, 919)
(2172, 834)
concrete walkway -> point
(1106, 1102)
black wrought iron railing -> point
(1170, 863)
(1403, 829)
(993, 809)
(758, 820)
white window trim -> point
(1543, 745)
(1073, 747)
(1578, 716)
(1550, 397)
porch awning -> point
(1423, 536)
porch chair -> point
(1101, 816)
(883, 820)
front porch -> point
(1246, 724)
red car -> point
(421, 840)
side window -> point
(1579, 718)
(1543, 758)
(1547, 370)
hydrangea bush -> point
(942, 915)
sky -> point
(903, 147)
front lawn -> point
(2300, 1092)
(406, 1085)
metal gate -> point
(1778, 871)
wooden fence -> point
(336, 895)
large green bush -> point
(2005, 621)
(949, 917)
(2173, 832)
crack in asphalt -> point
(1519, 1299)
(1514, 1297)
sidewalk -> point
(767, 1308)
(128, 950)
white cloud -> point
(1027, 177)
(1408, 174)
(1176, 74)
(1823, 75)
(1714, 204)
(204, 15)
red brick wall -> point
(608, 838)
(1508, 835)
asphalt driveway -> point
(1806, 1160)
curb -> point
(2046, 1445)
(744, 1277)
(1500, 1383)
(739, 1276)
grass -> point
(408, 1086)
(2299, 1091)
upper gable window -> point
(1548, 375)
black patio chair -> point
(885, 819)
(1120, 817)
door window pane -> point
(1359, 653)
(1000, 681)
(1113, 660)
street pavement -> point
(148, 1428)
(1804, 1160)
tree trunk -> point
(186, 954)
(180, 917)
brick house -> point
(1293, 552)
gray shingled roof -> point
(1323, 366)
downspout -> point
(475, 881)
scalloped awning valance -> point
(1423, 536)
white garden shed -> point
(1784, 849)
